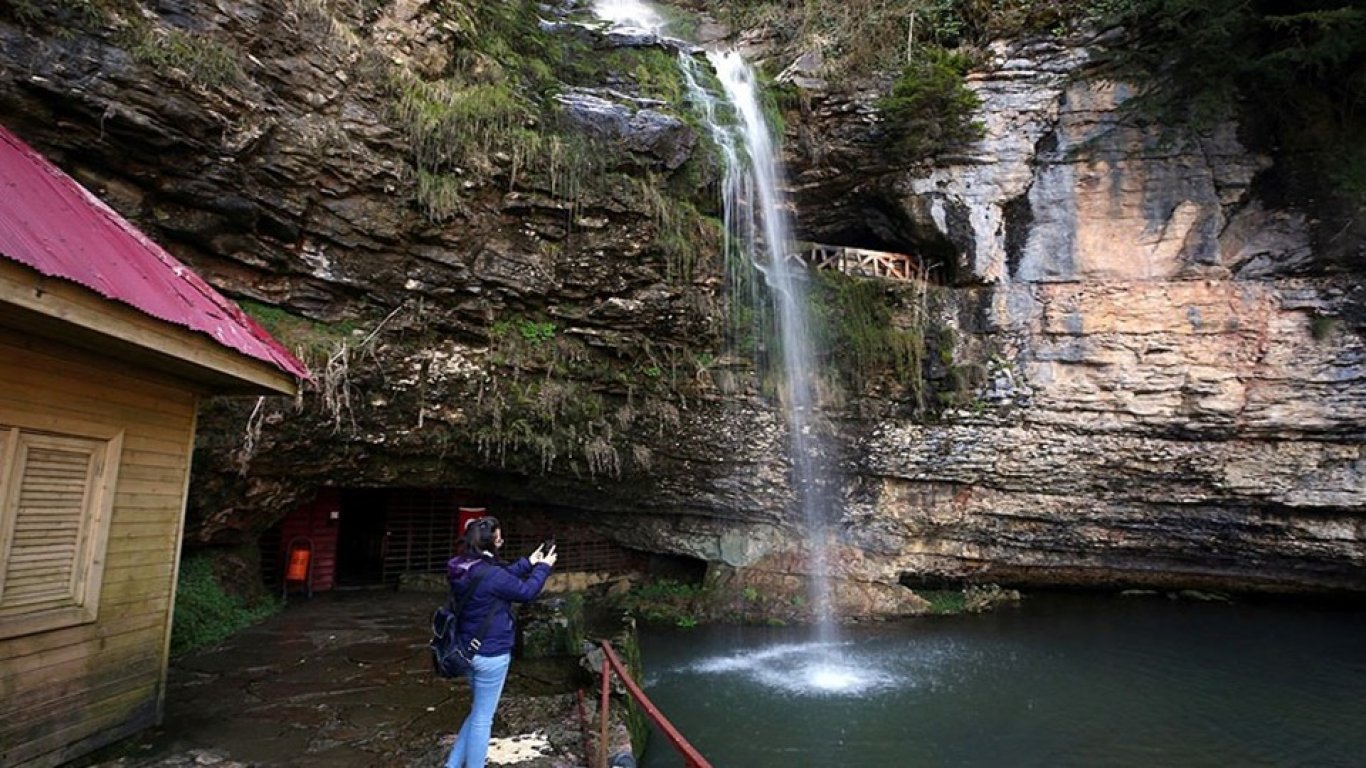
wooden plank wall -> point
(71, 690)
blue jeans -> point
(486, 681)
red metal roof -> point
(54, 225)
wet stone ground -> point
(344, 679)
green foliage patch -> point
(930, 107)
(534, 332)
(856, 324)
(653, 72)
(312, 341)
(862, 37)
(1297, 69)
(201, 59)
(667, 601)
(684, 236)
(59, 14)
(974, 598)
(489, 115)
(205, 613)
(553, 399)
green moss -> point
(667, 602)
(974, 598)
(944, 602)
(856, 323)
(653, 72)
(449, 122)
(199, 57)
(310, 339)
(459, 131)
(439, 194)
(560, 633)
(627, 645)
(534, 332)
(63, 17)
(947, 340)
(532, 411)
(1322, 326)
(773, 99)
(490, 115)
(206, 614)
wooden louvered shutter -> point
(53, 520)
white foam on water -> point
(629, 13)
(750, 659)
(809, 669)
(826, 677)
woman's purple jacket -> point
(501, 584)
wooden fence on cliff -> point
(860, 262)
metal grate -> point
(421, 532)
(423, 535)
(578, 548)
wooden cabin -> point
(107, 343)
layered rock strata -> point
(1172, 389)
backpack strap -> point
(456, 608)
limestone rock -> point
(1173, 388)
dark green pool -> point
(1131, 682)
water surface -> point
(1057, 681)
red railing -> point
(610, 663)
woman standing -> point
(487, 617)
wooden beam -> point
(175, 575)
(82, 317)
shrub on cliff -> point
(930, 107)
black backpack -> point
(450, 657)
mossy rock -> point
(553, 627)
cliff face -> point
(1169, 387)
(1176, 390)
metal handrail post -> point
(691, 756)
(602, 713)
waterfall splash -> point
(629, 13)
(759, 229)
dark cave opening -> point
(380, 537)
(886, 225)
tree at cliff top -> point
(1293, 70)
(863, 37)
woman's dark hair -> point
(479, 535)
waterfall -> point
(759, 230)
(758, 225)
(629, 13)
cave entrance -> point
(386, 536)
(890, 239)
(360, 537)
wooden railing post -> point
(857, 261)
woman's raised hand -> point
(541, 555)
